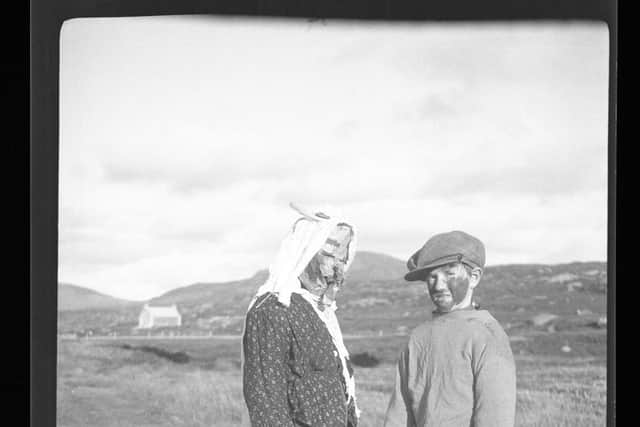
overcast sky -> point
(183, 139)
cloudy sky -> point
(183, 139)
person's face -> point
(326, 269)
(448, 286)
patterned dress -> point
(292, 370)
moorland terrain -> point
(112, 374)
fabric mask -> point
(325, 272)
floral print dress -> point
(292, 370)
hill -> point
(369, 266)
(73, 297)
(375, 299)
(198, 292)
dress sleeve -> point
(399, 412)
(495, 382)
(266, 346)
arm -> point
(399, 410)
(266, 347)
(495, 384)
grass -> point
(196, 382)
(551, 392)
(116, 383)
(561, 392)
(106, 385)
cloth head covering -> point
(307, 236)
(305, 239)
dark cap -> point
(445, 248)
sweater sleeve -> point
(495, 381)
(399, 412)
(266, 346)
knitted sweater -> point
(456, 370)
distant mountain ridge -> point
(73, 297)
(375, 297)
(367, 267)
(198, 292)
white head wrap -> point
(305, 239)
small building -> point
(159, 316)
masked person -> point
(457, 368)
(296, 369)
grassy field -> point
(174, 382)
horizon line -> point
(66, 283)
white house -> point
(159, 316)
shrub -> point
(176, 357)
(365, 360)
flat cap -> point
(445, 248)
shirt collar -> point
(470, 307)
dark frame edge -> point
(614, 184)
(46, 21)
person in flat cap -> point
(457, 370)
(296, 368)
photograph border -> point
(46, 19)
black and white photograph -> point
(270, 221)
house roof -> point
(162, 311)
